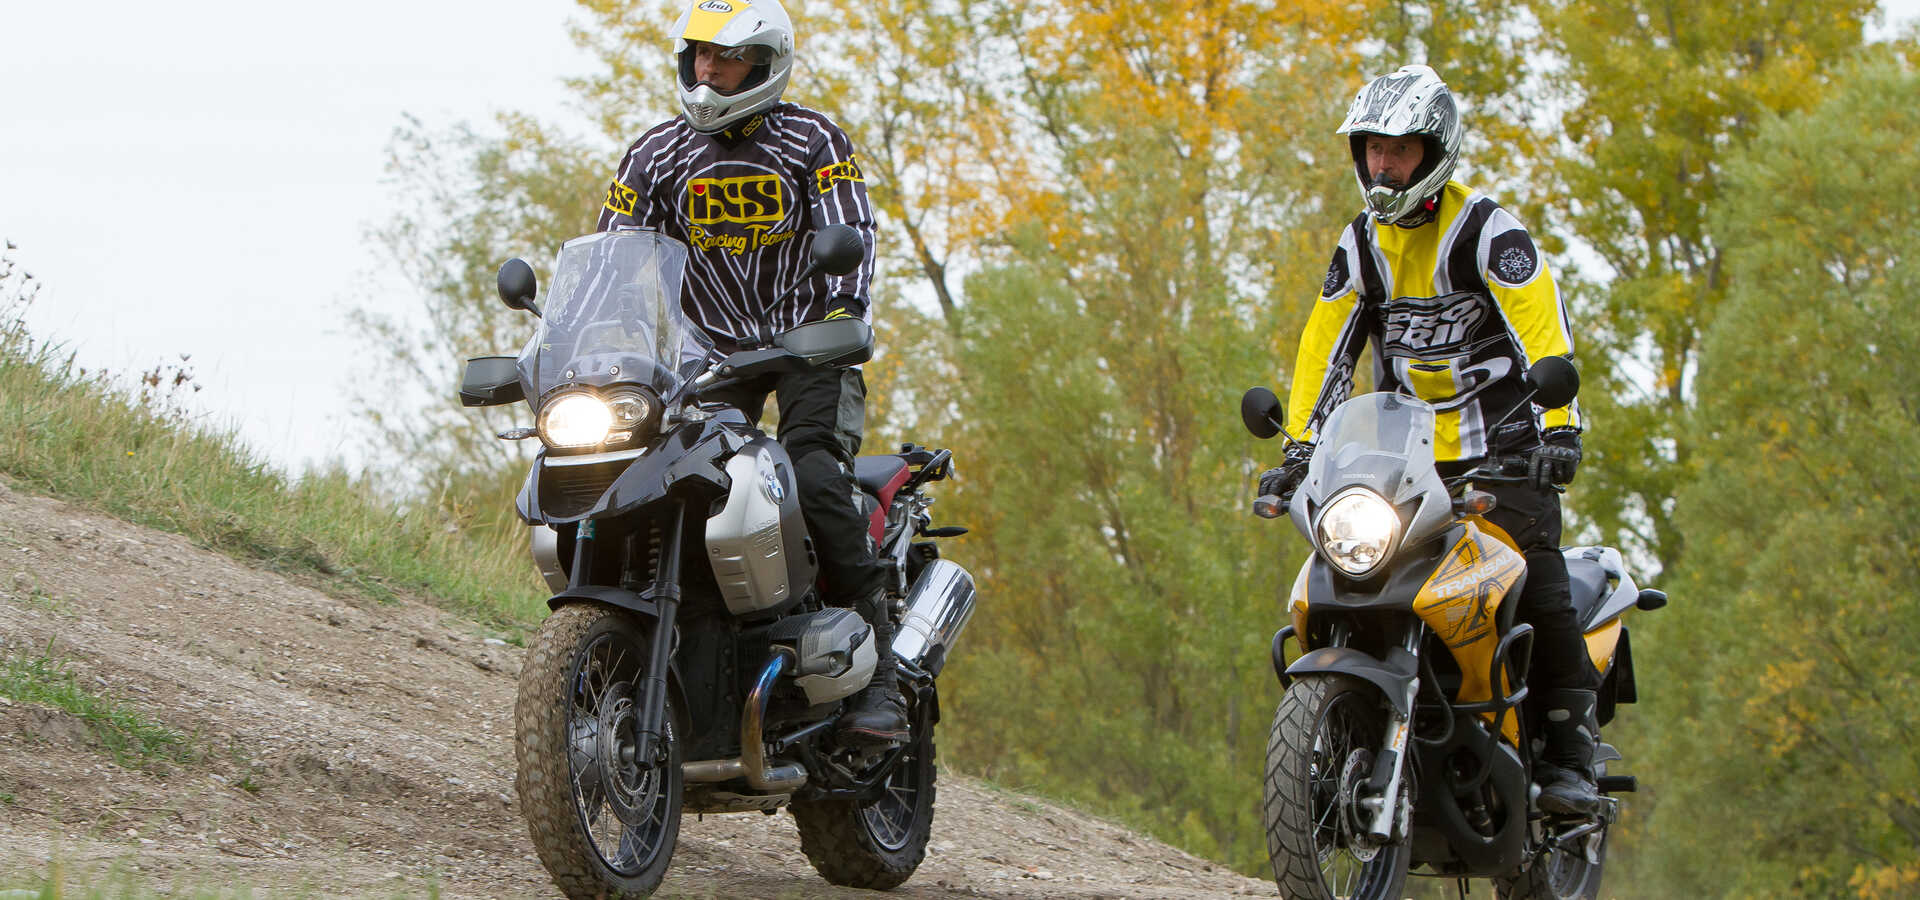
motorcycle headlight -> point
(629, 408)
(1356, 530)
(576, 419)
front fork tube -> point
(1390, 768)
(649, 726)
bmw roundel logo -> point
(775, 491)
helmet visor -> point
(751, 54)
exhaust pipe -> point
(752, 763)
(938, 607)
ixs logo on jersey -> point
(622, 199)
(845, 170)
(1426, 324)
(744, 200)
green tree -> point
(1788, 648)
(1656, 94)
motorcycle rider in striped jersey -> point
(743, 179)
(1457, 303)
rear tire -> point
(1557, 876)
(603, 826)
(1320, 726)
(875, 845)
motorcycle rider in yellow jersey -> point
(1452, 294)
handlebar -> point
(1503, 470)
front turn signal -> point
(1475, 503)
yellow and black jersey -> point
(745, 201)
(1457, 308)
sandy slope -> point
(362, 749)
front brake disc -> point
(1353, 826)
(624, 781)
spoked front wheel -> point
(603, 821)
(1319, 755)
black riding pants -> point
(823, 415)
(1532, 518)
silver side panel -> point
(546, 557)
(749, 540)
(938, 608)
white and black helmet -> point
(1411, 101)
(763, 35)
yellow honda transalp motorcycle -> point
(1404, 743)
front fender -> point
(1391, 675)
(611, 596)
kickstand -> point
(1462, 884)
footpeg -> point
(1616, 784)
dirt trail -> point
(351, 748)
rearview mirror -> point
(837, 249)
(517, 285)
(834, 342)
(1261, 412)
(491, 381)
(1555, 381)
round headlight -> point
(1356, 530)
(576, 419)
(629, 409)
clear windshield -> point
(1375, 440)
(612, 315)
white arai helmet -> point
(762, 34)
(1411, 101)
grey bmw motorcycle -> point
(689, 663)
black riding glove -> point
(1281, 480)
(1555, 460)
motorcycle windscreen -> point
(1383, 442)
(612, 316)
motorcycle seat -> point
(878, 475)
(881, 477)
(1588, 582)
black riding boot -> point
(878, 715)
(1566, 783)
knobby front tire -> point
(603, 826)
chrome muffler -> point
(752, 763)
(938, 607)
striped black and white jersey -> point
(1456, 309)
(746, 201)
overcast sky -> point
(199, 178)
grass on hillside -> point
(130, 737)
(138, 456)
